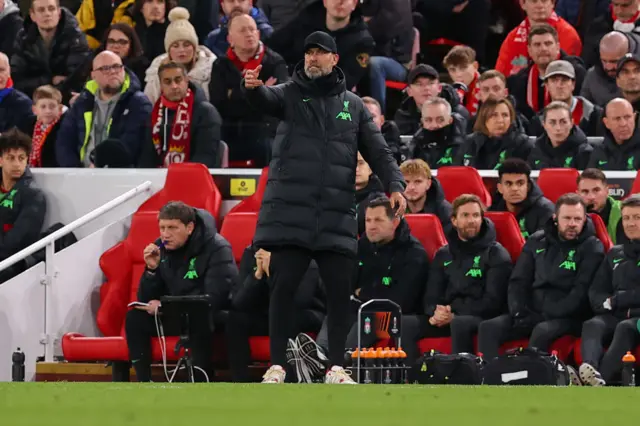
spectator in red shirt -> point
(462, 67)
(514, 53)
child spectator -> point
(43, 127)
(462, 67)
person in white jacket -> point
(181, 44)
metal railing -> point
(591, 139)
(48, 243)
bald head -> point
(613, 46)
(108, 72)
(106, 57)
(5, 70)
(244, 36)
(620, 119)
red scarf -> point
(532, 90)
(9, 84)
(578, 111)
(472, 96)
(519, 46)
(251, 64)
(177, 148)
(627, 25)
(40, 133)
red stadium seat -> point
(458, 180)
(253, 202)
(635, 188)
(238, 229)
(557, 182)
(188, 182)
(438, 344)
(601, 231)
(507, 232)
(428, 230)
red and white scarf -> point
(251, 64)
(627, 25)
(39, 137)
(176, 147)
(533, 85)
(519, 44)
(577, 112)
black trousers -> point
(599, 331)
(414, 328)
(494, 332)
(242, 325)
(140, 327)
(287, 267)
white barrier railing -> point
(48, 243)
(591, 139)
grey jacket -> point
(598, 87)
(281, 12)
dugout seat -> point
(252, 203)
(188, 182)
(507, 232)
(238, 228)
(601, 231)
(428, 230)
(635, 188)
(458, 180)
(557, 182)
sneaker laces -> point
(341, 373)
(273, 373)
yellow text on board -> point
(242, 187)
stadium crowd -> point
(506, 85)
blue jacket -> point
(15, 108)
(217, 39)
(130, 118)
(570, 9)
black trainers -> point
(312, 355)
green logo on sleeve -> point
(630, 161)
(618, 260)
(344, 114)
(447, 263)
(540, 250)
(501, 158)
(568, 161)
(602, 162)
(191, 272)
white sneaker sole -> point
(589, 376)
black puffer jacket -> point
(204, 265)
(33, 65)
(10, 24)
(442, 147)
(618, 278)
(373, 190)
(396, 271)
(534, 211)
(471, 276)
(309, 200)
(611, 156)
(436, 204)
(552, 276)
(15, 109)
(22, 212)
(487, 153)
(573, 152)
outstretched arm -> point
(269, 100)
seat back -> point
(557, 182)
(428, 230)
(238, 228)
(635, 188)
(224, 156)
(507, 232)
(601, 231)
(190, 183)
(253, 202)
(458, 180)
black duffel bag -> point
(526, 366)
(435, 368)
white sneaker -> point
(590, 376)
(574, 379)
(338, 376)
(275, 374)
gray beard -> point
(314, 76)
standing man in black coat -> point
(308, 210)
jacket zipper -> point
(322, 166)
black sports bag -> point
(526, 366)
(435, 368)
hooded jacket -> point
(488, 153)
(22, 212)
(33, 65)
(205, 134)
(534, 211)
(611, 215)
(374, 189)
(442, 147)
(609, 155)
(15, 108)
(200, 73)
(618, 278)
(437, 204)
(354, 42)
(203, 266)
(552, 276)
(309, 200)
(598, 87)
(470, 276)
(217, 39)
(252, 295)
(128, 123)
(409, 117)
(10, 24)
(574, 152)
(396, 271)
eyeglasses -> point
(110, 68)
(120, 42)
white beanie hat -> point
(180, 28)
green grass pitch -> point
(117, 404)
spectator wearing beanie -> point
(10, 24)
(181, 44)
(514, 53)
(95, 16)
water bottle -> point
(17, 369)
(628, 370)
